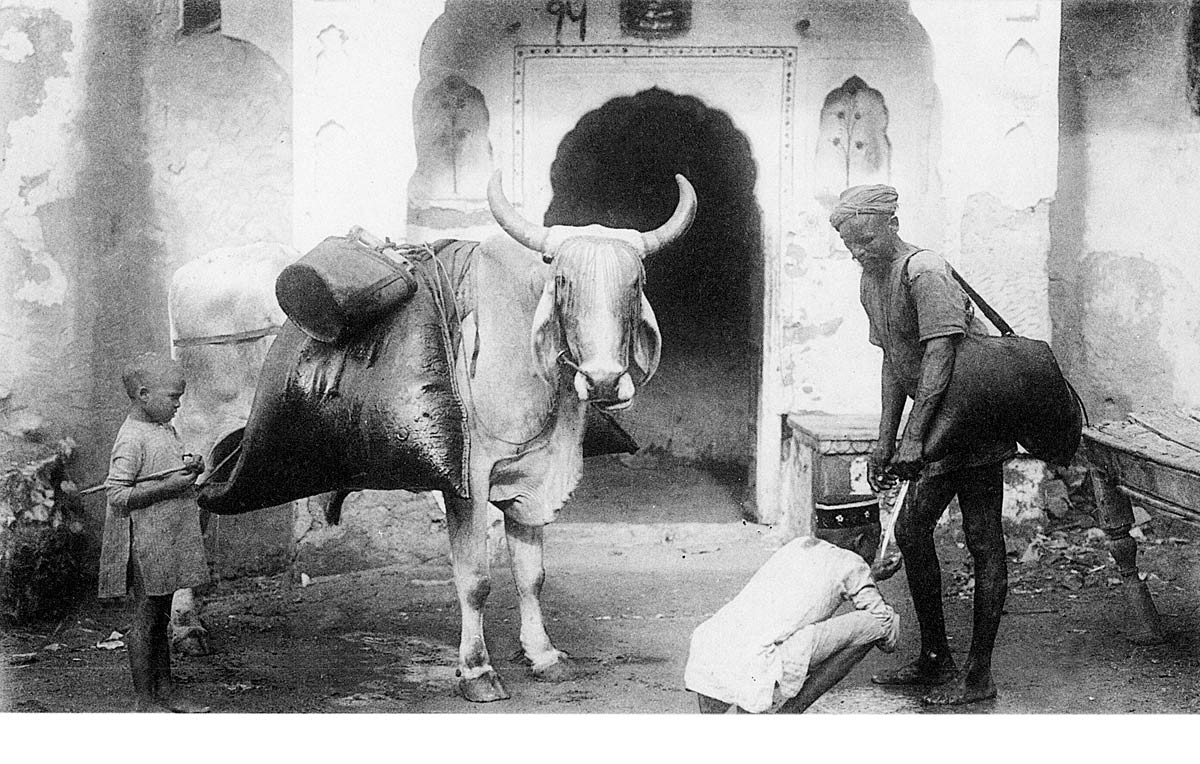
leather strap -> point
(988, 310)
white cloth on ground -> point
(755, 652)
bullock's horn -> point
(681, 219)
(516, 226)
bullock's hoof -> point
(483, 689)
(562, 670)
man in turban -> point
(778, 646)
(917, 314)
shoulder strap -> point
(992, 315)
(996, 319)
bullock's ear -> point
(547, 341)
(647, 343)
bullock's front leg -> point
(467, 524)
(529, 573)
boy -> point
(776, 647)
(152, 543)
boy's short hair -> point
(145, 369)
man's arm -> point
(937, 364)
(880, 625)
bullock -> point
(542, 323)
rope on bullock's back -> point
(439, 301)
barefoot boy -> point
(152, 544)
(777, 646)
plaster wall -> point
(218, 124)
(175, 146)
(996, 68)
(769, 67)
(45, 364)
(266, 24)
(984, 201)
(1126, 230)
(228, 292)
(218, 142)
(356, 68)
(128, 151)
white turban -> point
(864, 200)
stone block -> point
(377, 528)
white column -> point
(356, 68)
(983, 99)
(996, 70)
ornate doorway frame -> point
(554, 86)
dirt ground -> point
(622, 598)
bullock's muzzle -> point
(611, 390)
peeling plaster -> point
(39, 95)
(48, 291)
(15, 46)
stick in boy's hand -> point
(147, 478)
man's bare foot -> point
(149, 707)
(960, 693)
(920, 673)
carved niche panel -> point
(852, 142)
(453, 153)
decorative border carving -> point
(787, 55)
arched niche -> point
(1021, 67)
(1017, 176)
(852, 142)
(333, 173)
(453, 153)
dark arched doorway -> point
(616, 168)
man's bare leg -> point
(927, 500)
(981, 497)
(824, 676)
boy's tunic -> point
(755, 651)
(164, 537)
